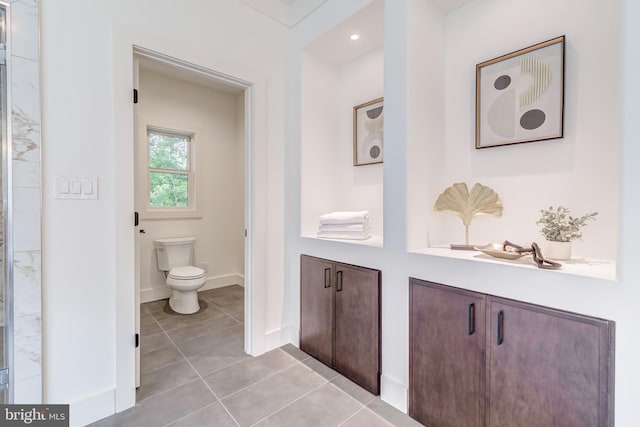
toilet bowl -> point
(175, 256)
(184, 283)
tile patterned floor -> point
(194, 373)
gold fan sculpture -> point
(457, 200)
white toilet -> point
(184, 280)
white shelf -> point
(375, 241)
(596, 268)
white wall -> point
(611, 299)
(578, 171)
(86, 97)
(425, 122)
(212, 116)
(329, 180)
(359, 81)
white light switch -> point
(78, 188)
(87, 187)
(62, 185)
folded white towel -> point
(347, 217)
(347, 235)
(345, 227)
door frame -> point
(247, 88)
(127, 44)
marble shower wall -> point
(25, 122)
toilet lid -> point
(188, 272)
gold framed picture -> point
(520, 96)
(368, 132)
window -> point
(170, 169)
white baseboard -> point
(394, 393)
(281, 336)
(92, 408)
(155, 294)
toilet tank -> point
(174, 252)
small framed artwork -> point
(520, 96)
(368, 132)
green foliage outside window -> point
(169, 189)
(168, 157)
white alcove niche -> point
(579, 171)
(338, 73)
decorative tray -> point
(496, 250)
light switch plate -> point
(76, 188)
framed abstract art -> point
(520, 96)
(368, 132)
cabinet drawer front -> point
(316, 308)
(446, 359)
(547, 367)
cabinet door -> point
(547, 368)
(357, 331)
(316, 308)
(446, 355)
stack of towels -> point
(353, 225)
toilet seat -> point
(186, 273)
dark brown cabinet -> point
(446, 364)
(340, 318)
(479, 360)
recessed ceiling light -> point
(354, 36)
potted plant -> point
(559, 228)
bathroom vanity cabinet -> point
(480, 360)
(340, 318)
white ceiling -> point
(449, 5)
(335, 46)
(288, 12)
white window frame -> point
(192, 210)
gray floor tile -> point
(274, 389)
(213, 415)
(225, 299)
(353, 389)
(235, 310)
(149, 343)
(166, 407)
(326, 406)
(237, 289)
(264, 398)
(391, 414)
(220, 357)
(192, 346)
(148, 325)
(158, 358)
(156, 305)
(366, 418)
(164, 378)
(240, 375)
(320, 368)
(169, 320)
(295, 352)
(105, 422)
(201, 329)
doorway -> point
(222, 207)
